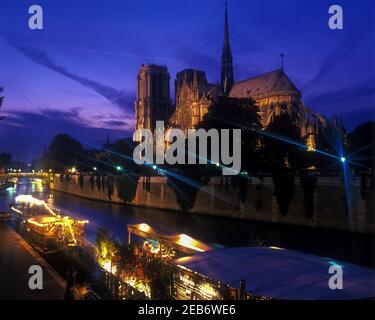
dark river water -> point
(216, 231)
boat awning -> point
(181, 242)
(281, 274)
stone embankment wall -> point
(329, 207)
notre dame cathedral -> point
(273, 91)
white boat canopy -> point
(281, 274)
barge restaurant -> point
(271, 273)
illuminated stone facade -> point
(193, 96)
(274, 94)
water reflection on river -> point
(213, 230)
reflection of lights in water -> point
(27, 198)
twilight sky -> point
(78, 74)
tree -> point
(186, 187)
(241, 114)
(282, 145)
(63, 152)
(283, 155)
(106, 248)
(120, 154)
(159, 275)
(330, 140)
(361, 144)
(126, 255)
(5, 159)
(127, 186)
(238, 113)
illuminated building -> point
(274, 93)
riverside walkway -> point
(16, 256)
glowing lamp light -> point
(189, 242)
(154, 167)
(276, 248)
(118, 168)
(95, 168)
(144, 227)
(343, 159)
(218, 164)
(107, 266)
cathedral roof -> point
(270, 82)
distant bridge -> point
(27, 174)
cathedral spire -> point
(226, 58)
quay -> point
(16, 256)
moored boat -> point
(45, 225)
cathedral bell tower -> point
(226, 59)
(153, 96)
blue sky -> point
(77, 75)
